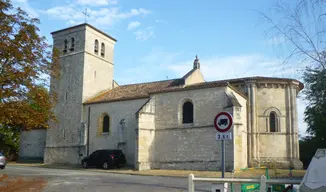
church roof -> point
(143, 90)
(134, 91)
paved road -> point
(60, 180)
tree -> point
(315, 113)
(308, 148)
(302, 27)
(9, 138)
(26, 65)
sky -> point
(159, 40)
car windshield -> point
(1, 154)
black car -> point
(104, 158)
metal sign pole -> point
(223, 158)
(223, 122)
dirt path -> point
(20, 184)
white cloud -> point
(144, 11)
(24, 5)
(134, 12)
(65, 13)
(160, 21)
(133, 25)
(144, 34)
(104, 17)
(97, 2)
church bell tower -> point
(86, 61)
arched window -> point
(106, 124)
(272, 122)
(65, 46)
(102, 49)
(96, 46)
(72, 44)
(187, 112)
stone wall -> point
(83, 74)
(31, 145)
(279, 96)
(239, 131)
(190, 146)
(146, 136)
(276, 146)
(67, 132)
(64, 154)
(272, 145)
(194, 77)
(98, 70)
(117, 111)
(271, 99)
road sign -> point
(223, 136)
(223, 122)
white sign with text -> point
(223, 136)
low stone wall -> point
(192, 165)
(64, 155)
(282, 163)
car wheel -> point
(105, 165)
(85, 165)
(2, 167)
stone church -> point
(166, 124)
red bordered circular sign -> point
(223, 121)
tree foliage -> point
(26, 64)
(315, 94)
(308, 148)
(10, 136)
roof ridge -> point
(188, 74)
(253, 77)
(149, 82)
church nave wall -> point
(191, 145)
(190, 148)
(116, 111)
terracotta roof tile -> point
(143, 90)
(191, 87)
(133, 91)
